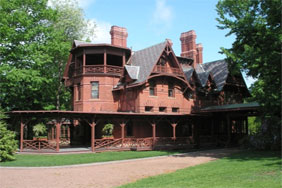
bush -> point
(8, 144)
(108, 130)
(39, 130)
(268, 136)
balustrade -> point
(90, 69)
(169, 70)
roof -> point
(78, 43)
(133, 71)
(202, 74)
(188, 72)
(218, 69)
(231, 107)
(146, 59)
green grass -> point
(245, 169)
(36, 160)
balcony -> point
(167, 70)
(98, 69)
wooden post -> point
(105, 61)
(246, 124)
(122, 132)
(174, 132)
(22, 136)
(154, 132)
(228, 129)
(84, 62)
(58, 131)
(53, 134)
(93, 124)
(68, 132)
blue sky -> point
(149, 22)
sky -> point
(150, 22)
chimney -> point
(199, 53)
(188, 44)
(189, 49)
(119, 36)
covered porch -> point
(71, 131)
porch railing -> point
(38, 145)
(93, 69)
(169, 70)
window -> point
(152, 89)
(78, 92)
(95, 90)
(175, 109)
(148, 109)
(162, 109)
(170, 90)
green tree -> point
(8, 144)
(34, 45)
(256, 25)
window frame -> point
(171, 90)
(98, 89)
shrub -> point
(108, 129)
(39, 130)
(8, 144)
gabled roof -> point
(146, 59)
(133, 71)
(218, 70)
(188, 72)
(202, 74)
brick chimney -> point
(199, 53)
(119, 36)
(189, 48)
(188, 44)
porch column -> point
(68, 132)
(58, 131)
(228, 129)
(92, 125)
(246, 124)
(105, 61)
(122, 132)
(154, 132)
(84, 62)
(53, 133)
(22, 136)
(174, 132)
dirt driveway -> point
(109, 174)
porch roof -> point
(232, 107)
(62, 113)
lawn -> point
(36, 160)
(245, 169)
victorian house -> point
(154, 98)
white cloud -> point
(101, 31)
(162, 15)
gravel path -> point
(109, 174)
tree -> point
(8, 144)
(256, 25)
(34, 45)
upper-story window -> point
(152, 89)
(78, 92)
(171, 92)
(94, 90)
